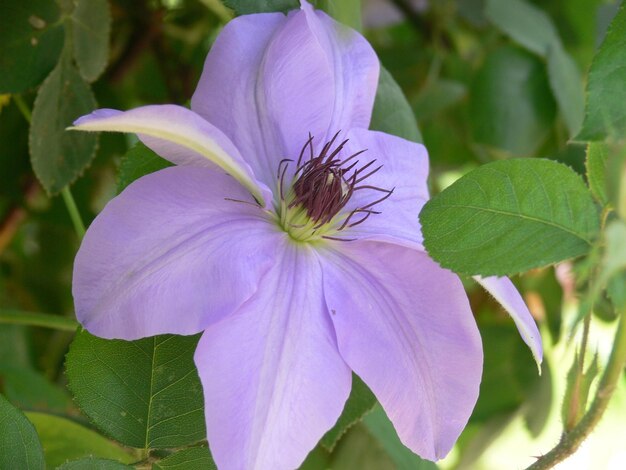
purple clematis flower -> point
(288, 233)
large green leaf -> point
(19, 445)
(195, 458)
(143, 393)
(65, 440)
(605, 113)
(360, 401)
(392, 112)
(91, 24)
(510, 216)
(511, 106)
(59, 156)
(31, 39)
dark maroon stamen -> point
(325, 183)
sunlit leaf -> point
(91, 463)
(65, 440)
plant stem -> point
(22, 106)
(56, 322)
(570, 441)
(79, 226)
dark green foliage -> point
(143, 393)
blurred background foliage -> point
(479, 77)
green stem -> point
(79, 226)
(570, 441)
(56, 322)
(23, 107)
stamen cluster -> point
(322, 186)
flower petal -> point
(171, 255)
(404, 325)
(273, 379)
(405, 170)
(179, 135)
(270, 80)
(507, 295)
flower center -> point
(310, 207)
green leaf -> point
(143, 393)
(437, 97)
(511, 106)
(595, 164)
(524, 23)
(19, 445)
(615, 178)
(533, 29)
(360, 401)
(360, 450)
(91, 22)
(614, 259)
(29, 389)
(196, 458)
(605, 113)
(91, 463)
(137, 162)
(510, 216)
(392, 112)
(566, 84)
(246, 7)
(59, 156)
(31, 38)
(65, 440)
(347, 12)
(508, 374)
(382, 429)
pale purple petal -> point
(180, 136)
(295, 75)
(507, 295)
(171, 255)
(405, 170)
(355, 68)
(404, 325)
(273, 379)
